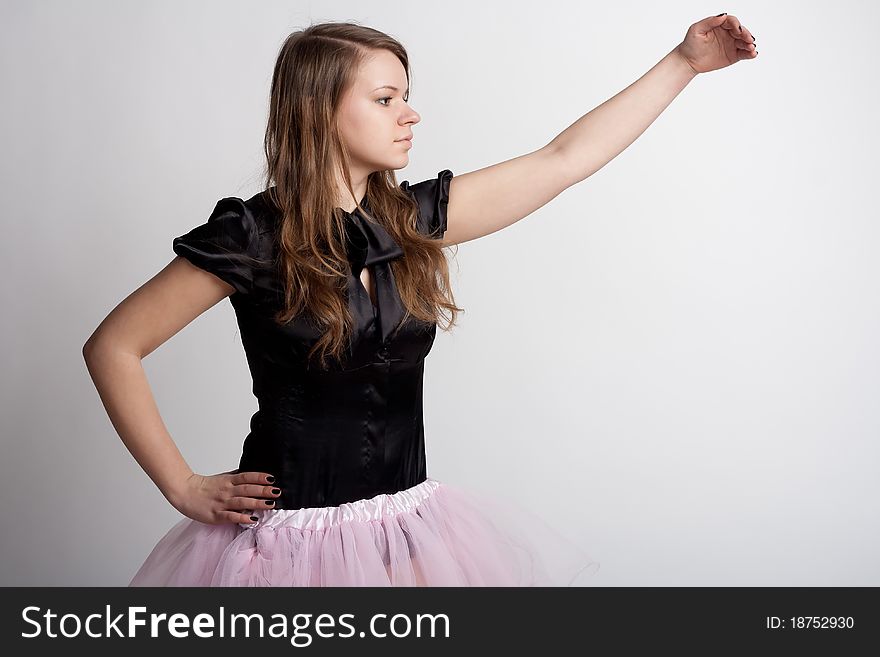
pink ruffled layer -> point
(432, 534)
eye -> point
(379, 100)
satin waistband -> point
(373, 508)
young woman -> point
(338, 279)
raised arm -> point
(485, 201)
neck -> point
(359, 185)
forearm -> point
(600, 135)
(125, 392)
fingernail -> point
(254, 518)
(275, 491)
(270, 502)
(721, 14)
(270, 479)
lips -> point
(409, 139)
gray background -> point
(674, 362)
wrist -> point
(682, 63)
(175, 489)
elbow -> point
(89, 348)
(92, 345)
(99, 345)
(568, 169)
(92, 340)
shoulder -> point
(432, 198)
(233, 243)
(262, 212)
(432, 189)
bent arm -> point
(122, 385)
(113, 355)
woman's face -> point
(374, 119)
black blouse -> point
(353, 430)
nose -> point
(411, 117)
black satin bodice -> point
(355, 429)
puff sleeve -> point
(432, 196)
(225, 245)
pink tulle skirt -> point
(431, 534)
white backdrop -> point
(675, 362)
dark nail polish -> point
(270, 502)
(254, 518)
(270, 479)
(721, 14)
(275, 491)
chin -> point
(398, 163)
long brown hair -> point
(315, 67)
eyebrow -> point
(387, 86)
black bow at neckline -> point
(367, 243)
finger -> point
(732, 23)
(239, 502)
(738, 30)
(746, 54)
(255, 490)
(708, 24)
(743, 45)
(253, 478)
(236, 516)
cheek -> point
(355, 126)
(366, 132)
(362, 118)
